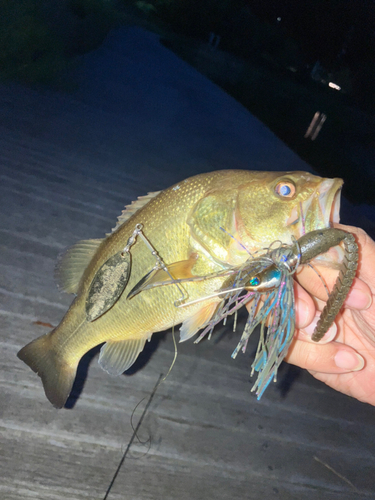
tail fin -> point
(57, 375)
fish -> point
(205, 225)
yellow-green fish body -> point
(204, 224)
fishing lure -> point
(272, 274)
(113, 276)
(265, 280)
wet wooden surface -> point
(68, 166)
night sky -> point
(324, 28)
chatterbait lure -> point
(269, 276)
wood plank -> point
(225, 427)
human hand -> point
(345, 358)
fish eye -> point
(254, 281)
(285, 189)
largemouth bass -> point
(203, 225)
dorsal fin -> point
(131, 209)
(72, 263)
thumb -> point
(333, 357)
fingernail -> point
(302, 313)
(328, 336)
(358, 299)
(349, 361)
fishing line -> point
(133, 437)
(134, 428)
(160, 382)
(236, 240)
(174, 357)
(321, 278)
(303, 219)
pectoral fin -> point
(144, 283)
(197, 321)
(158, 277)
(118, 356)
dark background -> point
(275, 57)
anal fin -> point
(117, 356)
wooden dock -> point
(68, 165)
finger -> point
(304, 306)
(315, 284)
(325, 358)
(359, 296)
(306, 332)
(365, 287)
(366, 267)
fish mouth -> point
(319, 211)
(330, 201)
